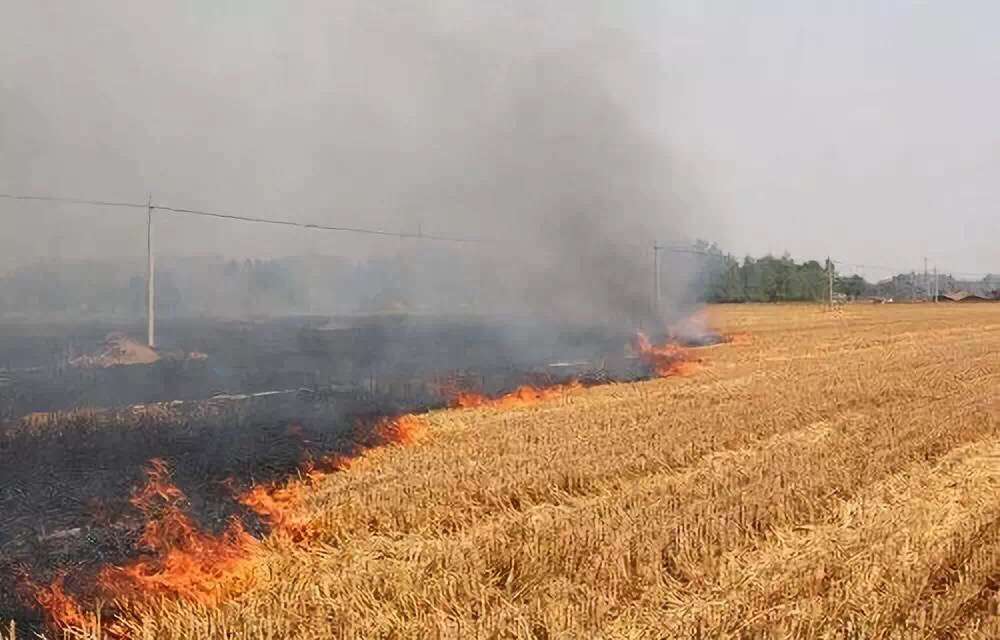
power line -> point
(869, 266)
(693, 250)
(241, 218)
(291, 223)
(100, 203)
(370, 231)
(901, 270)
(321, 227)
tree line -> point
(722, 277)
(327, 284)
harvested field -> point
(832, 475)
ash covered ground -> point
(266, 399)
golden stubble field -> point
(836, 476)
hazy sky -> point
(864, 130)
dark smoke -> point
(535, 128)
(565, 176)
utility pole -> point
(927, 283)
(829, 273)
(936, 283)
(150, 277)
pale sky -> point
(862, 130)
(866, 130)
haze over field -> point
(454, 314)
(862, 131)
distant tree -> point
(852, 286)
(723, 278)
(751, 284)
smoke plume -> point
(534, 130)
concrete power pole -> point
(829, 273)
(927, 282)
(936, 283)
(150, 277)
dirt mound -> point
(118, 350)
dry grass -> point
(838, 476)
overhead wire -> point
(321, 227)
(898, 269)
(243, 218)
(100, 203)
(371, 231)
(290, 223)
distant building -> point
(963, 296)
(983, 288)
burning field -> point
(110, 508)
(818, 475)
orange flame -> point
(182, 560)
(274, 505)
(522, 396)
(278, 505)
(61, 609)
(404, 430)
(665, 360)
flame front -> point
(61, 609)
(522, 396)
(404, 430)
(664, 360)
(279, 505)
(181, 560)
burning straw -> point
(181, 561)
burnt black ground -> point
(247, 357)
(65, 482)
(65, 487)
